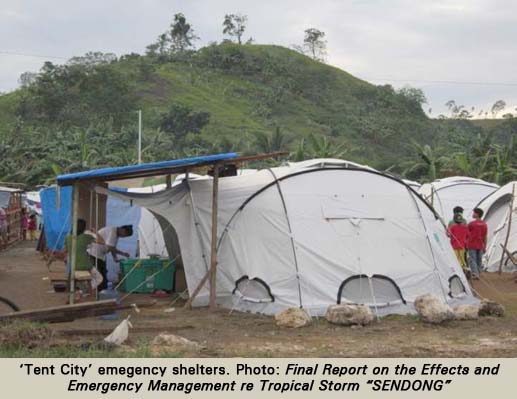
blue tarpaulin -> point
(122, 170)
(56, 220)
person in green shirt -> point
(457, 210)
(82, 259)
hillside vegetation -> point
(230, 97)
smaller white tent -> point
(499, 218)
(445, 194)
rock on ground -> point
(466, 312)
(172, 343)
(491, 308)
(292, 318)
(433, 310)
(347, 315)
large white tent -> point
(499, 218)
(445, 194)
(310, 236)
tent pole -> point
(188, 304)
(213, 239)
(508, 231)
(73, 255)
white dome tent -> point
(445, 194)
(499, 218)
(310, 236)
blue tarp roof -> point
(128, 171)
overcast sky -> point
(426, 43)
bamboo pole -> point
(213, 239)
(73, 255)
(510, 214)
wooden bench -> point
(59, 280)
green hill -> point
(246, 98)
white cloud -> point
(445, 40)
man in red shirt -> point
(476, 242)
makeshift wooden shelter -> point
(84, 184)
(11, 202)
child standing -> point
(24, 224)
(476, 242)
(32, 227)
(458, 234)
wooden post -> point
(508, 231)
(73, 254)
(168, 181)
(213, 239)
(188, 304)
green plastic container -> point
(140, 278)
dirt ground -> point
(24, 279)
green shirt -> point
(463, 221)
(82, 258)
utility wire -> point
(33, 55)
(453, 82)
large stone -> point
(172, 343)
(466, 312)
(292, 318)
(348, 315)
(433, 310)
(491, 308)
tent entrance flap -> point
(253, 290)
(377, 290)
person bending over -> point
(98, 252)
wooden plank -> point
(256, 157)
(197, 290)
(73, 255)
(62, 313)
(213, 238)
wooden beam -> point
(213, 238)
(64, 313)
(73, 254)
(256, 157)
(194, 294)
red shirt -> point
(458, 233)
(32, 224)
(476, 234)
